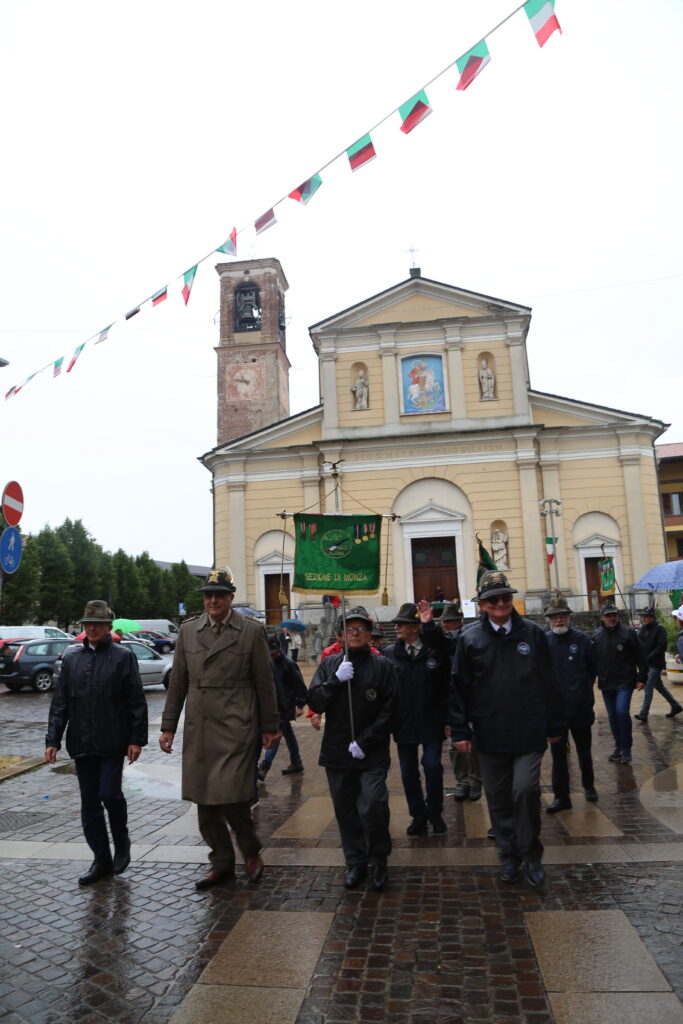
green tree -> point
(56, 578)
(21, 589)
(86, 556)
(128, 592)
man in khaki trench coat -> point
(222, 673)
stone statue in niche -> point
(360, 391)
(499, 548)
(487, 382)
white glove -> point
(355, 751)
(345, 671)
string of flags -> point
(543, 22)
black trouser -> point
(99, 779)
(581, 734)
(361, 806)
(513, 793)
(213, 820)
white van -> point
(33, 633)
(164, 626)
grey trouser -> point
(466, 767)
(513, 793)
(361, 806)
(213, 822)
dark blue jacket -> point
(422, 687)
(504, 691)
(574, 660)
(655, 641)
(290, 687)
(620, 658)
(100, 702)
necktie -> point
(217, 627)
(411, 651)
(502, 631)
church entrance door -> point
(592, 570)
(434, 567)
(274, 612)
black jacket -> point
(506, 687)
(574, 659)
(373, 695)
(620, 658)
(100, 702)
(655, 642)
(290, 688)
(422, 687)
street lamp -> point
(552, 510)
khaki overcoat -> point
(226, 684)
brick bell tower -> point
(253, 382)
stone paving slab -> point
(220, 1004)
(609, 1007)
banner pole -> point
(335, 477)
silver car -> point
(153, 668)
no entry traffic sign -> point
(12, 503)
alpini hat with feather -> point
(220, 580)
(493, 584)
(557, 606)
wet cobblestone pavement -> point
(445, 944)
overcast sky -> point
(137, 135)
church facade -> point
(428, 415)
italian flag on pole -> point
(361, 152)
(550, 543)
(307, 189)
(72, 361)
(414, 111)
(188, 281)
(471, 63)
(541, 14)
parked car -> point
(34, 633)
(30, 662)
(153, 668)
(163, 626)
(162, 644)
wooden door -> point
(274, 611)
(592, 570)
(434, 566)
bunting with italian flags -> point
(265, 221)
(414, 111)
(550, 543)
(229, 246)
(361, 152)
(74, 357)
(307, 189)
(57, 368)
(472, 63)
(541, 14)
(188, 281)
(160, 296)
(104, 335)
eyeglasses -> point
(499, 599)
(356, 629)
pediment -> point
(419, 300)
(596, 540)
(432, 514)
(274, 558)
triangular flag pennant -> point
(57, 368)
(361, 152)
(188, 281)
(229, 246)
(12, 391)
(541, 14)
(160, 296)
(265, 221)
(75, 356)
(550, 543)
(307, 190)
(414, 111)
(471, 63)
(104, 334)
(130, 314)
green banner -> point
(336, 553)
(607, 585)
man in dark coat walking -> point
(504, 695)
(357, 695)
(421, 660)
(652, 636)
(465, 766)
(622, 667)
(99, 700)
(291, 697)
(574, 660)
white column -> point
(456, 382)
(515, 339)
(534, 545)
(387, 349)
(328, 386)
(637, 531)
(238, 538)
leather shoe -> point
(97, 870)
(491, 833)
(615, 755)
(560, 803)
(591, 796)
(439, 826)
(254, 867)
(213, 878)
(121, 857)
(417, 827)
(293, 769)
(355, 875)
(380, 877)
(475, 792)
(461, 792)
(641, 717)
(535, 872)
(509, 871)
(676, 710)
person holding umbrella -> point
(356, 690)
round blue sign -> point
(11, 549)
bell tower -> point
(253, 382)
